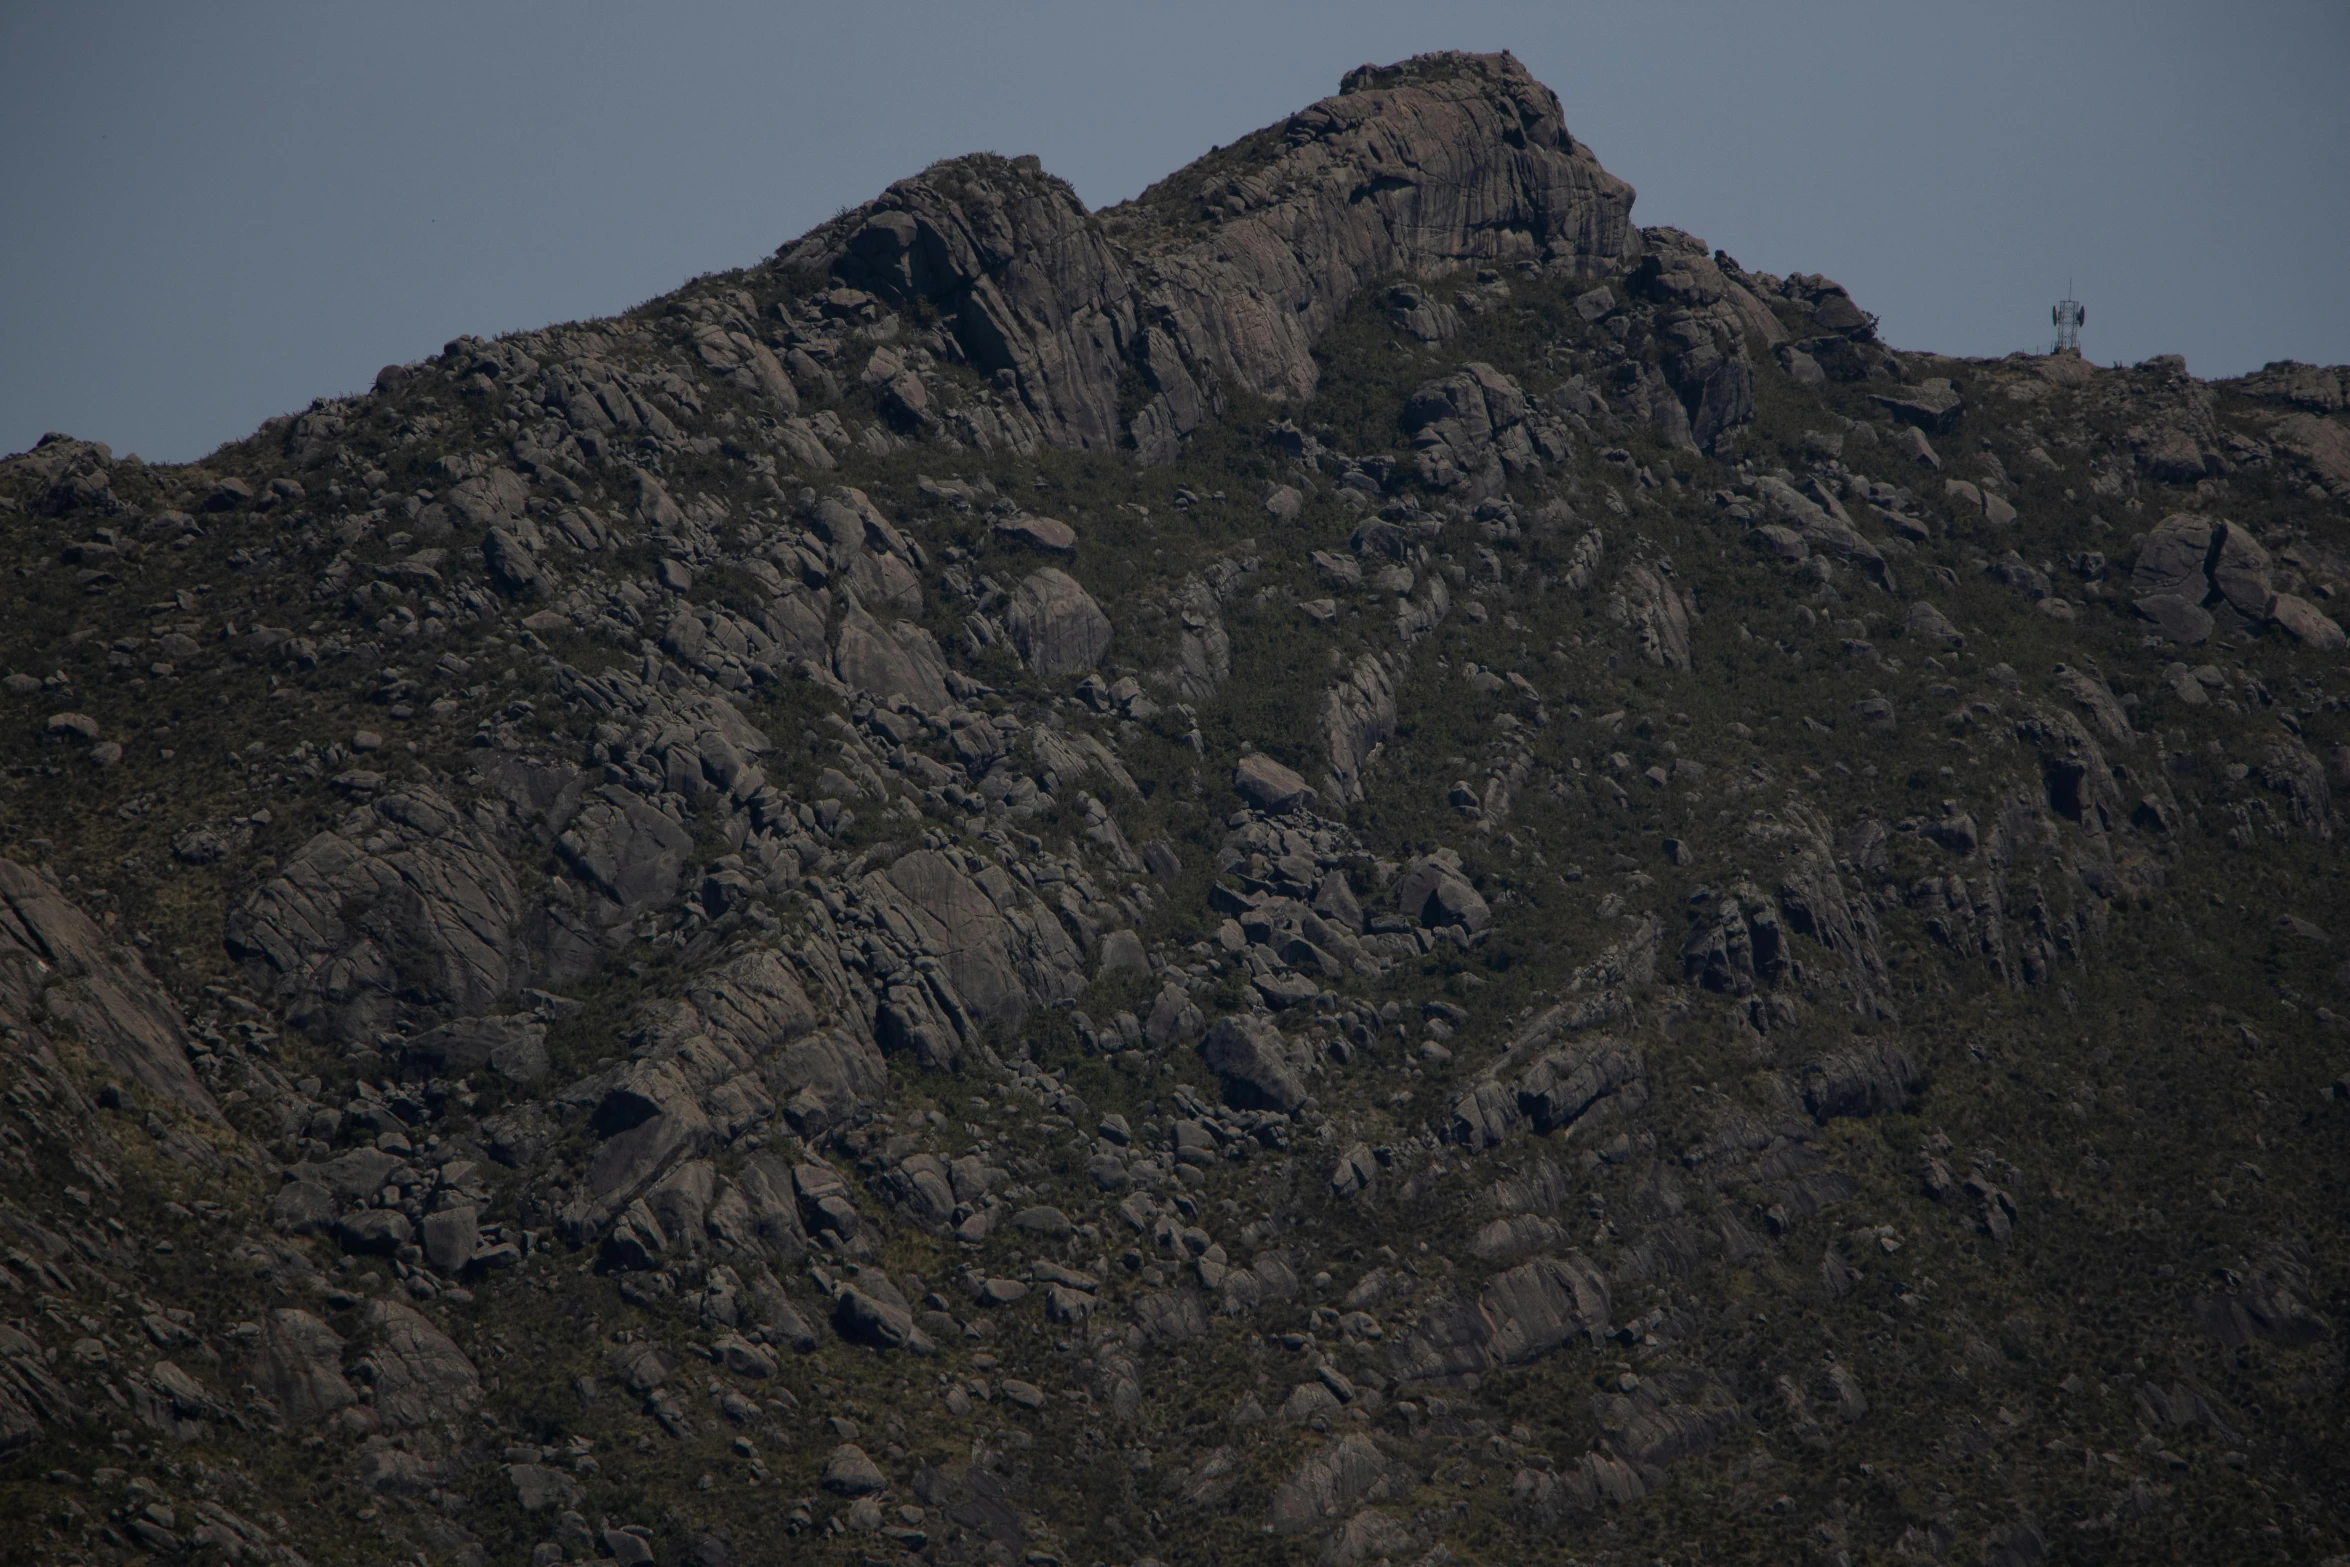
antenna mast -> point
(2068, 315)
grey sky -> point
(215, 213)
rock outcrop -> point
(1235, 267)
(404, 909)
(57, 967)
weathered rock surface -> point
(900, 660)
(58, 968)
(515, 1048)
(1521, 1315)
(419, 1376)
(299, 1367)
(848, 1472)
(1475, 429)
(1329, 1484)
(1412, 169)
(405, 909)
(1058, 627)
(1268, 785)
(1009, 255)
(1253, 1061)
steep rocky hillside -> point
(1348, 865)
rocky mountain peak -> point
(1347, 864)
(1232, 267)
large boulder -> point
(649, 1118)
(381, 1231)
(748, 364)
(1434, 890)
(1056, 624)
(1823, 524)
(420, 1377)
(2171, 560)
(451, 1236)
(299, 1367)
(1541, 1306)
(755, 999)
(2320, 446)
(486, 498)
(873, 1311)
(2306, 622)
(2177, 618)
(1565, 1086)
(513, 565)
(1268, 785)
(628, 852)
(1000, 952)
(354, 1176)
(2193, 570)
(1358, 717)
(2240, 572)
(1048, 534)
(757, 1209)
(405, 909)
(515, 1048)
(1646, 603)
(867, 552)
(1933, 404)
(1330, 1483)
(1476, 428)
(1868, 1079)
(1929, 624)
(1520, 1316)
(1253, 1062)
(537, 1487)
(849, 1472)
(886, 662)
(1411, 311)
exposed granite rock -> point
(1474, 430)
(1252, 1059)
(406, 908)
(420, 1377)
(1520, 1316)
(299, 1367)
(1329, 1484)
(564, 570)
(884, 662)
(1646, 603)
(56, 966)
(1412, 169)
(1056, 624)
(515, 1048)
(1008, 255)
(1268, 785)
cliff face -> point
(1021, 274)
(1231, 269)
(1416, 170)
(847, 918)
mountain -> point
(1350, 864)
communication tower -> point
(2068, 315)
